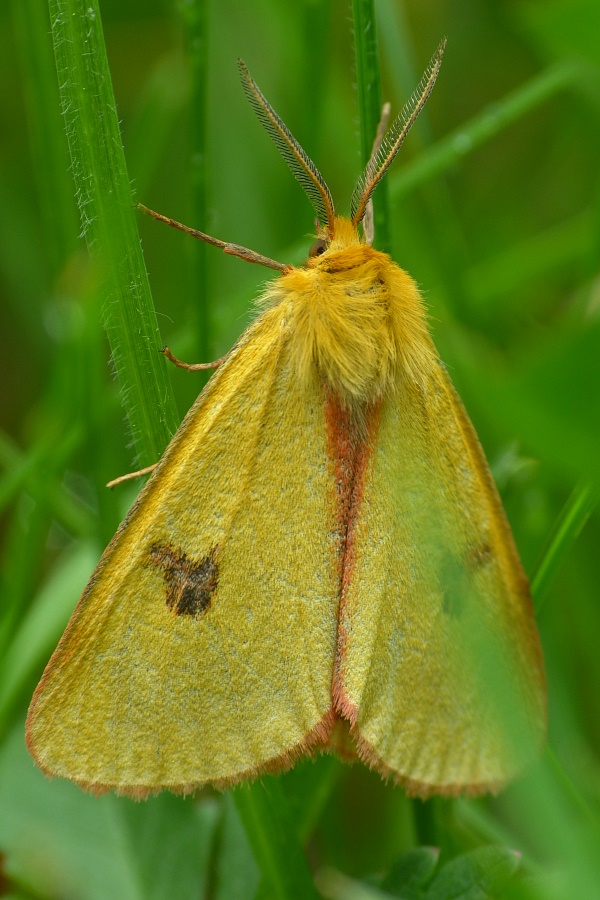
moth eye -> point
(319, 246)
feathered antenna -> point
(302, 166)
(368, 220)
(391, 143)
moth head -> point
(319, 245)
(387, 143)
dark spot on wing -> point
(190, 584)
(479, 556)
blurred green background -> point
(495, 210)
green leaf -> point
(477, 875)
(272, 835)
(63, 842)
(237, 875)
(411, 872)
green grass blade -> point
(497, 117)
(108, 220)
(195, 16)
(154, 121)
(368, 84)
(20, 471)
(572, 519)
(48, 145)
(275, 844)
(40, 628)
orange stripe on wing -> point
(351, 441)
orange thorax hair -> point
(356, 316)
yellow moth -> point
(319, 562)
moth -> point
(320, 560)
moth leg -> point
(196, 367)
(131, 475)
(191, 367)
